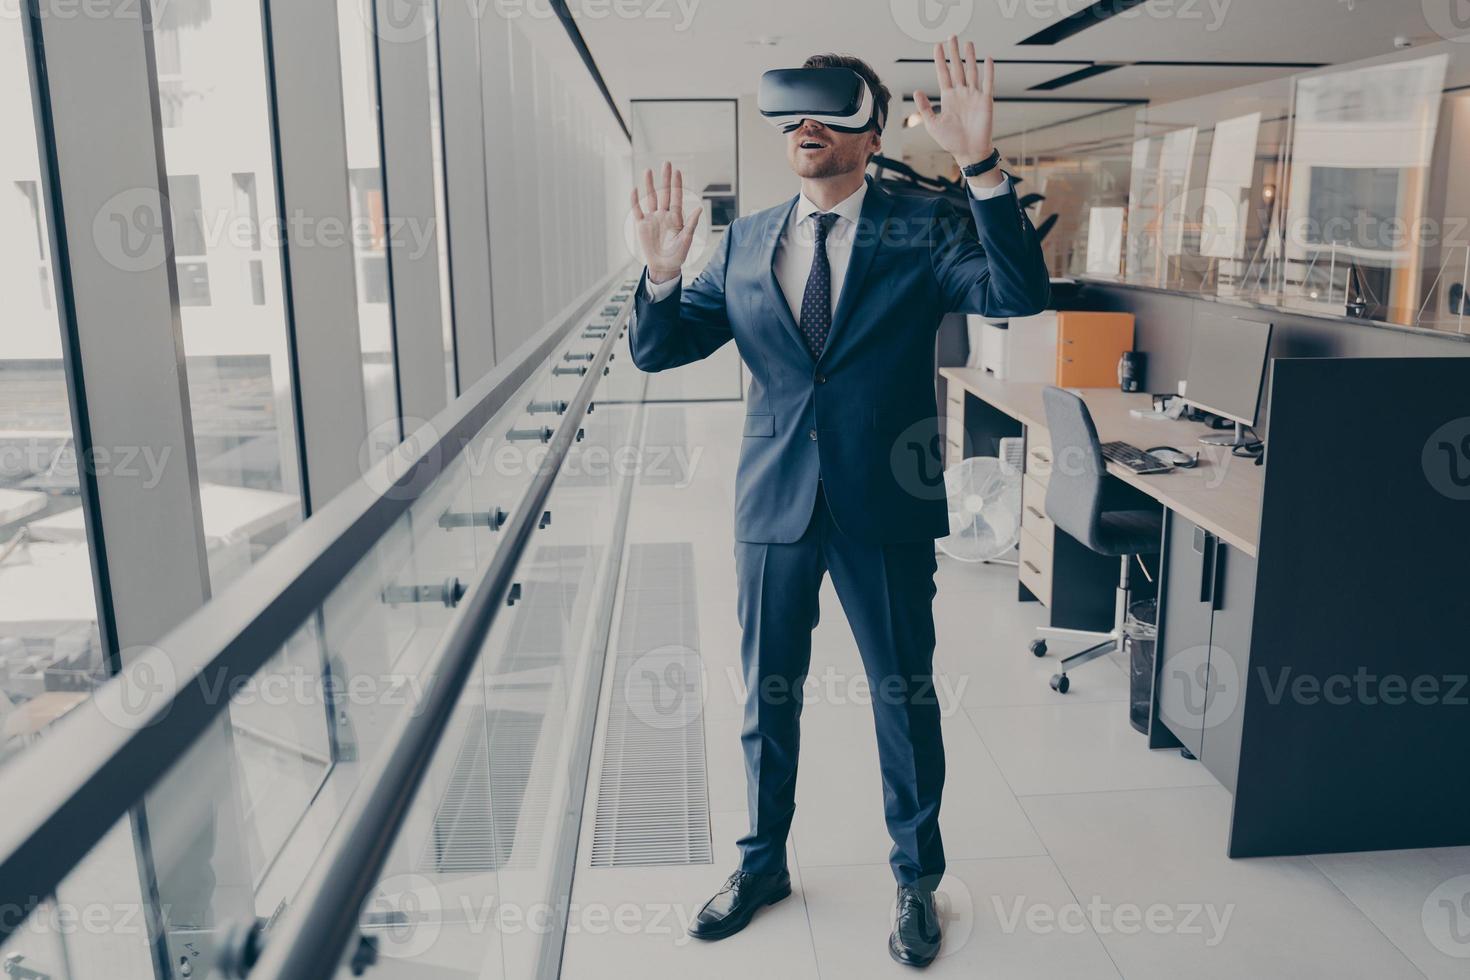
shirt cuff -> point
(656, 292)
(986, 193)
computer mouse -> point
(1175, 457)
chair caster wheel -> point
(1186, 754)
(1037, 648)
(1060, 683)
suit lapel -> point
(869, 234)
(770, 238)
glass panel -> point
(50, 651)
(221, 184)
(441, 208)
(1362, 142)
(369, 223)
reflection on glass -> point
(1079, 186)
(1362, 143)
(441, 208)
(369, 222)
(1157, 203)
(50, 651)
(221, 185)
(1227, 192)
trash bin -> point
(1140, 631)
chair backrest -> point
(1074, 492)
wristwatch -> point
(984, 166)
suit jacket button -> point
(821, 379)
(813, 434)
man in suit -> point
(834, 299)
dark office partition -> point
(1356, 713)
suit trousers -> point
(887, 592)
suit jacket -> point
(862, 417)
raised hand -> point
(664, 233)
(964, 123)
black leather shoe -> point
(915, 939)
(737, 902)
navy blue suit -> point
(839, 472)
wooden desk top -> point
(1222, 494)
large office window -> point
(222, 201)
(50, 651)
(441, 208)
(369, 221)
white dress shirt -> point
(797, 245)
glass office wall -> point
(1361, 146)
(1340, 192)
(50, 651)
(369, 222)
(213, 99)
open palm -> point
(966, 119)
(664, 233)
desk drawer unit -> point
(1038, 454)
(1033, 509)
(1035, 567)
(954, 430)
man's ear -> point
(877, 147)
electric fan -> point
(984, 495)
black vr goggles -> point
(838, 98)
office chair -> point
(1074, 502)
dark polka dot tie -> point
(816, 302)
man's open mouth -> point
(812, 145)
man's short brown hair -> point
(881, 94)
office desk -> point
(1222, 494)
(1312, 646)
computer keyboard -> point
(1125, 454)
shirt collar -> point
(851, 208)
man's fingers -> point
(941, 70)
(663, 186)
(650, 196)
(972, 77)
(989, 76)
(691, 224)
(637, 207)
(676, 197)
(958, 72)
(926, 111)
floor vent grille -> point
(653, 793)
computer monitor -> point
(1226, 367)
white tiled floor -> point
(1075, 851)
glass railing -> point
(371, 750)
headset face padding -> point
(838, 98)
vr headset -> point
(838, 98)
